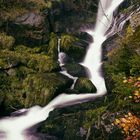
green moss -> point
(41, 88)
(38, 62)
(68, 45)
(53, 46)
(6, 42)
(10, 92)
(22, 72)
(4, 82)
(25, 49)
(8, 62)
(84, 85)
(67, 41)
(26, 88)
(135, 65)
(92, 116)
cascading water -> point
(61, 57)
(13, 128)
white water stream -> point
(14, 128)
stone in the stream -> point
(41, 88)
(84, 85)
(76, 70)
(72, 47)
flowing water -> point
(61, 57)
(15, 127)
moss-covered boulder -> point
(41, 88)
(25, 90)
(76, 70)
(10, 93)
(84, 85)
(71, 48)
(38, 62)
(6, 42)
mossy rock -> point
(76, 70)
(84, 85)
(20, 90)
(41, 88)
(38, 62)
(10, 93)
(6, 42)
(70, 47)
(43, 64)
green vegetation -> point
(53, 46)
(6, 42)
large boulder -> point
(63, 13)
(41, 88)
(19, 91)
(70, 45)
(84, 85)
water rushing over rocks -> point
(13, 128)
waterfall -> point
(12, 128)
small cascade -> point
(61, 55)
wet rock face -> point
(63, 13)
(30, 19)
